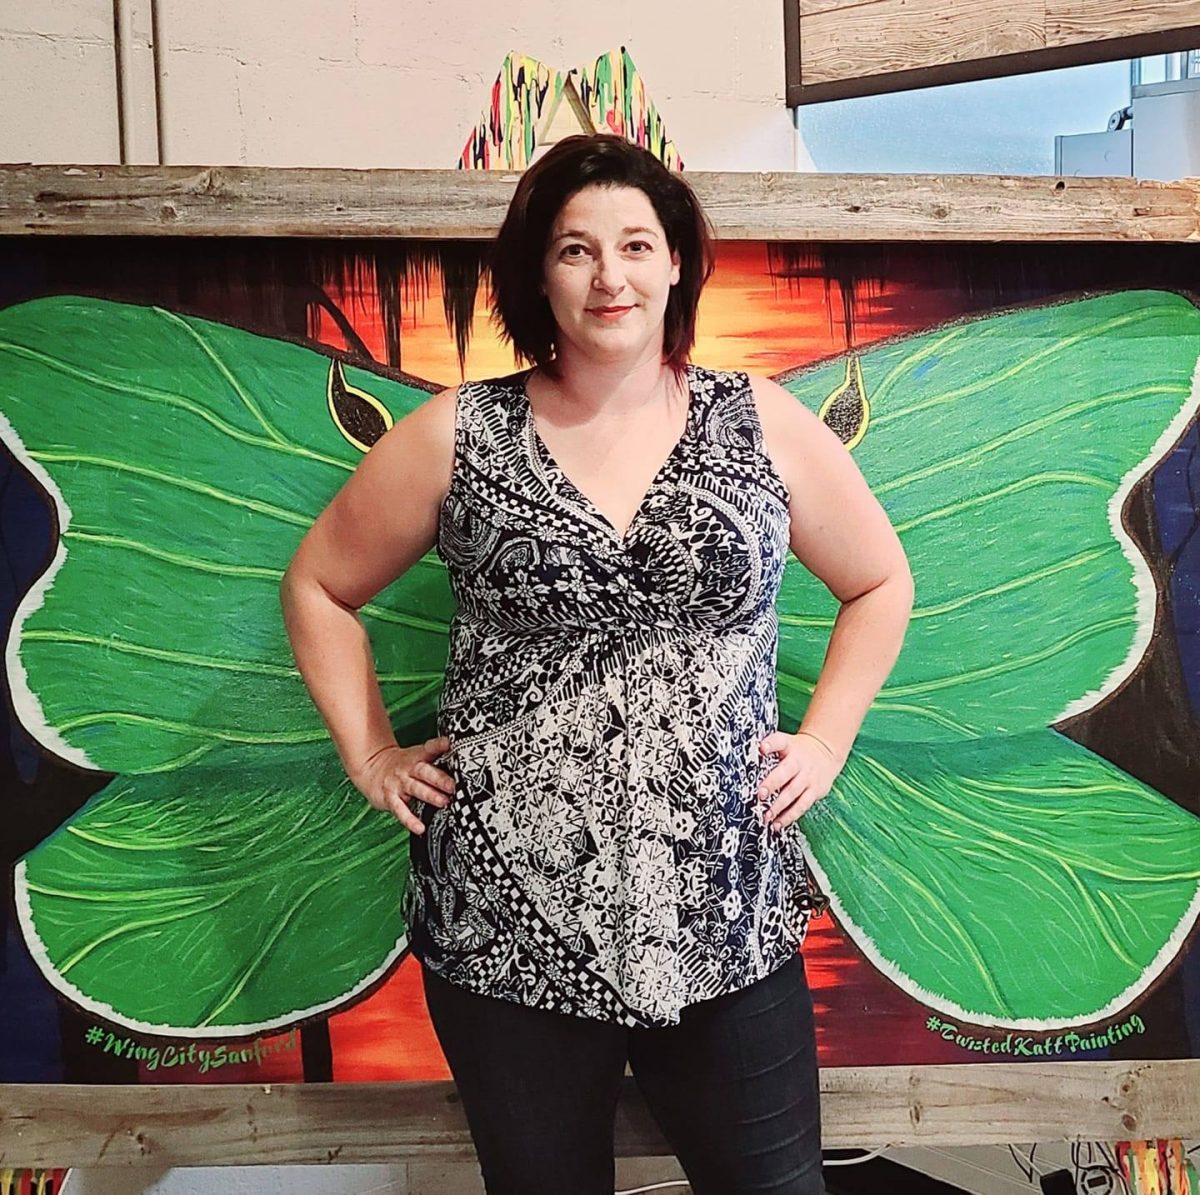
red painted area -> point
(388, 1036)
(846, 989)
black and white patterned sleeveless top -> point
(604, 700)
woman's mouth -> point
(609, 312)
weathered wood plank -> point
(452, 204)
(876, 37)
(1069, 21)
(970, 1104)
(251, 201)
(864, 47)
(1054, 22)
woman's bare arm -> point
(841, 533)
(381, 522)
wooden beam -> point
(969, 1104)
(840, 48)
(249, 201)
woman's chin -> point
(613, 342)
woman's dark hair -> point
(520, 310)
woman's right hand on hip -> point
(394, 777)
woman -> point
(601, 864)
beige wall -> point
(370, 83)
(58, 90)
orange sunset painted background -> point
(750, 318)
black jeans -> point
(733, 1087)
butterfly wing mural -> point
(984, 861)
(993, 867)
(229, 879)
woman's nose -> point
(608, 276)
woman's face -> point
(608, 273)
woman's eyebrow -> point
(580, 234)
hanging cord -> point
(855, 1161)
(674, 1182)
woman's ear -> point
(675, 267)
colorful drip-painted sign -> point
(1012, 854)
(532, 105)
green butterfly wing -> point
(1012, 880)
(1032, 602)
(990, 866)
(218, 901)
(185, 460)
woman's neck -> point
(624, 386)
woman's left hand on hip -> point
(804, 774)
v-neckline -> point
(544, 458)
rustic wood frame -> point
(960, 1104)
(253, 201)
(1117, 29)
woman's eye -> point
(569, 251)
(639, 245)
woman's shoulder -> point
(476, 415)
(798, 440)
(782, 419)
(506, 383)
(738, 381)
(771, 402)
(714, 373)
(493, 395)
(757, 392)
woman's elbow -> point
(297, 578)
(903, 584)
